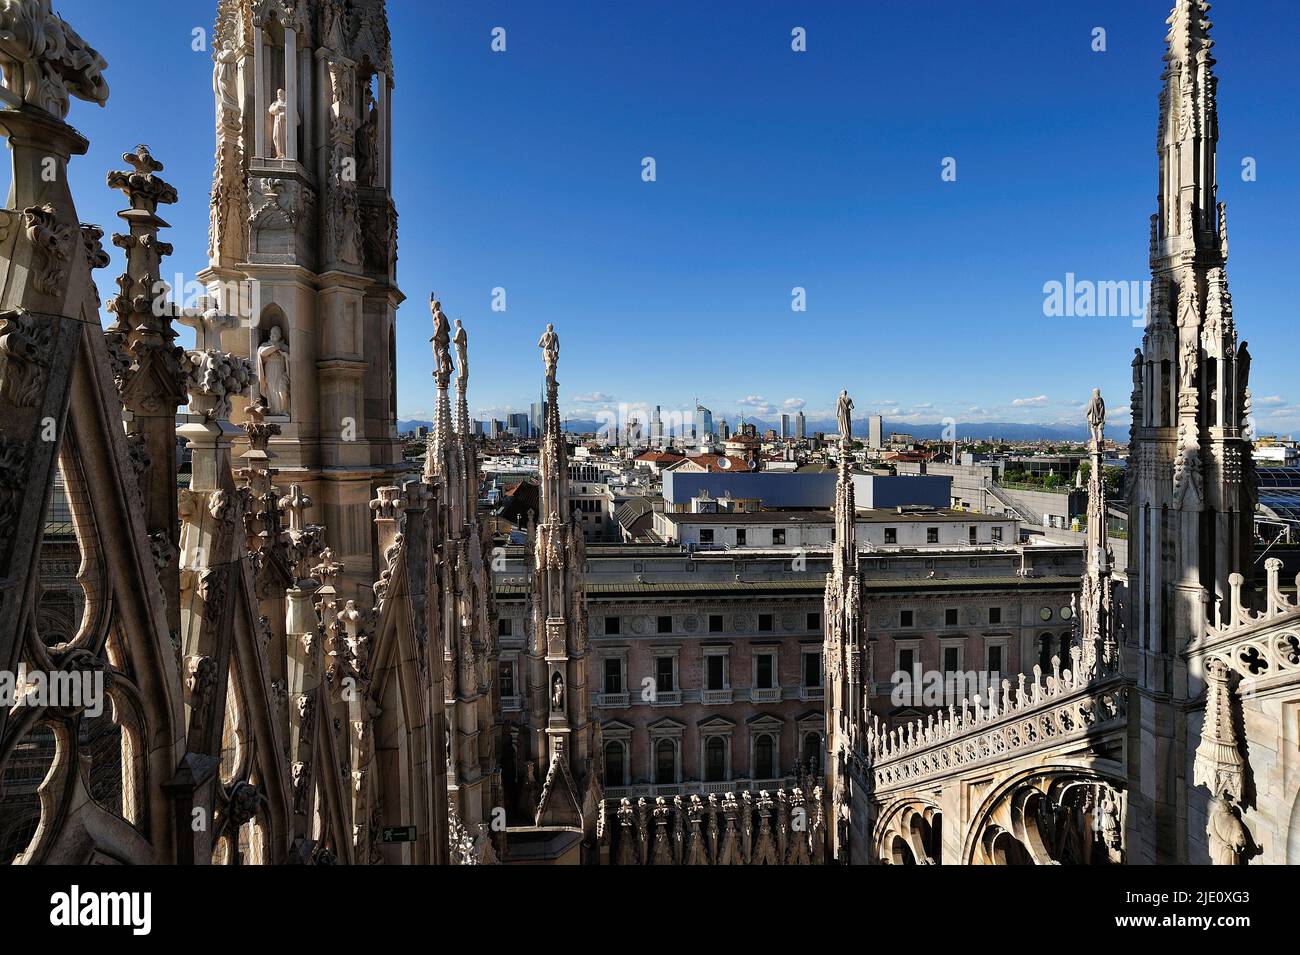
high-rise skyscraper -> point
(785, 426)
(703, 422)
(800, 426)
(876, 432)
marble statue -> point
(845, 413)
(279, 111)
(273, 371)
(441, 337)
(461, 341)
(549, 343)
(557, 692)
(1096, 417)
(1187, 364)
(1228, 836)
(223, 79)
(368, 142)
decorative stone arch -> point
(909, 832)
(1059, 813)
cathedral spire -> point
(1188, 216)
(435, 460)
(560, 716)
(1096, 621)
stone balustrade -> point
(1033, 714)
(1256, 644)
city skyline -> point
(808, 179)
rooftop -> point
(883, 515)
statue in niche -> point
(273, 371)
(549, 343)
(1096, 417)
(557, 693)
(1187, 364)
(279, 111)
(368, 141)
(1188, 310)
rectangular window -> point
(891, 535)
(995, 614)
(950, 617)
(995, 659)
(812, 669)
(504, 627)
(778, 537)
(706, 537)
(717, 671)
(949, 659)
(765, 671)
(613, 675)
(997, 534)
(974, 534)
(906, 659)
(740, 538)
(506, 674)
(814, 621)
(665, 625)
(905, 618)
(613, 626)
(932, 535)
(715, 623)
(664, 674)
(765, 622)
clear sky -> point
(775, 169)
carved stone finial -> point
(45, 61)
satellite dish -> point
(724, 463)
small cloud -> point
(1269, 400)
(793, 404)
(752, 401)
(595, 397)
(1036, 402)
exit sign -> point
(399, 833)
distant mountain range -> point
(1005, 430)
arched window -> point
(615, 764)
(764, 758)
(812, 753)
(1045, 651)
(665, 763)
(1067, 639)
(715, 760)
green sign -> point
(399, 833)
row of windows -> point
(1048, 645)
(742, 536)
(717, 623)
(664, 624)
(717, 671)
(951, 616)
(932, 534)
(666, 761)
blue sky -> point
(775, 169)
